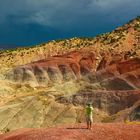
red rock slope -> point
(79, 132)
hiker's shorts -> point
(89, 118)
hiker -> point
(89, 119)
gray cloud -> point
(75, 16)
(62, 13)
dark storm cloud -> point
(69, 17)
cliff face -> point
(52, 82)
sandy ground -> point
(77, 132)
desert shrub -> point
(7, 130)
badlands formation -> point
(49, 84)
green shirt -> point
(89, 110)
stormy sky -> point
(29, 22)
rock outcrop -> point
(107, 101)
(55, 69)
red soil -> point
(78, 132)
